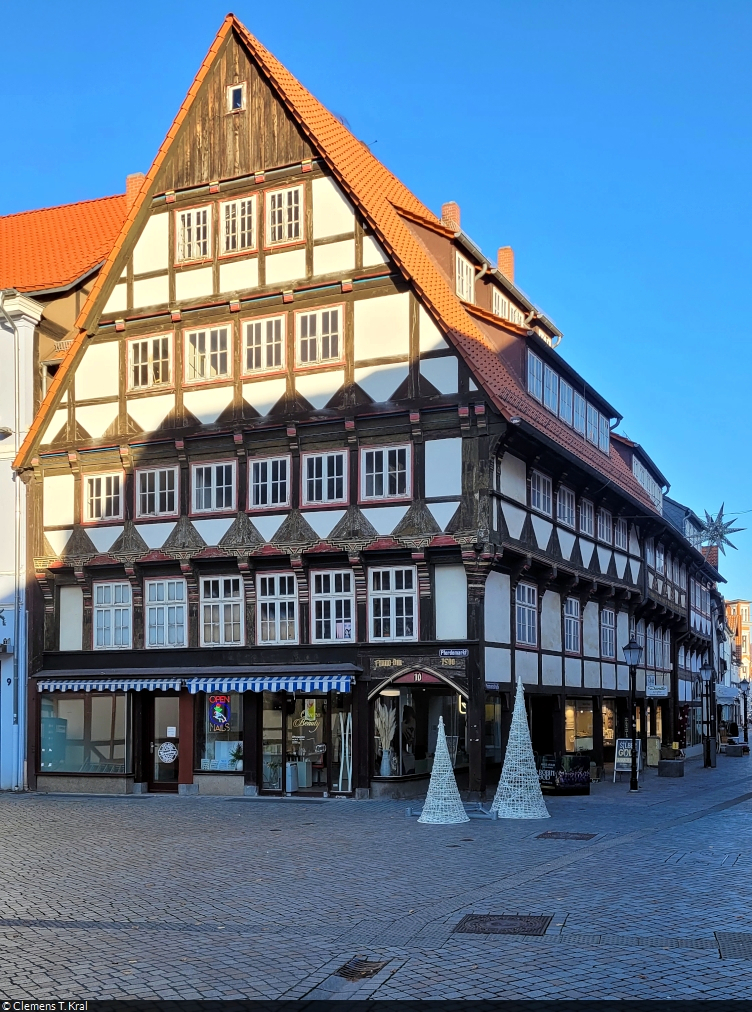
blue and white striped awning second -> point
(278, 683)
(107, 684)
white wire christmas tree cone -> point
(443, 805)
(519, 795)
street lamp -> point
(633, 655)
(744, 686)
(706, 673)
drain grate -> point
(503, 924)
(553, 835)
(358, 968)
(734, 944)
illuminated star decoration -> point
(715, 530)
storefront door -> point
(162, 740)
(307, 766)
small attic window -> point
(236, 97)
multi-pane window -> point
(393, 604)
(265, 344)
(104, 500)
(500, 304)
(550, 389)
(333, 607)
(193, 233)
(608, 633)
(540, 492)
(565, 507)
(112, 616)
(651, 646)
(385, 473)
(269, 482)
(277, 609)
(604, 433)
(213, 487)
(605, 526)
(324, 477)
(221, 611)
(659, 561)
(621, 534)
(650, 552)
(238, 223)
(165, 613)
(565, 402)
(149, 364)
(464, 279)
(534, 376)
(667, 650)
(572, 625)
(640, 636)
(284, 215)
(156, 492)
(658, 648)
(579, 413)
(526, 600)
(207, 354)
(592, 424)
(319, 336)
(587, 518)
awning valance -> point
(289, 683)
(726, 694)
(107, 684)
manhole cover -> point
(734, 945)
(552, 835)
(358, 969)
(503, 924)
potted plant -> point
(385, 720)
(236, 756)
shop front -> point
(201, 734)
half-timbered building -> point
(312, 474)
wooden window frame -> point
(310, 504)
(392, 594)
(214, 511)
(264, 371)
(277, 598)
(221, 602)
(166, 604)
(225, 254)
(408, 494)
(269, 507)
(320, 363)
(223, 378)
(283, 243)
(131, 342)
(322, 597)
(204, 257)
(112, 607)
(137, 492)
(87, 476)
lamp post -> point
(632, 655)
(706, 673)
(744, 686)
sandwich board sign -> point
(623, 756)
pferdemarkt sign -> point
(45, 1006)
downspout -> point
(16, 775)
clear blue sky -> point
(610, 144)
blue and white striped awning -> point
(278, 683)
(107, 684)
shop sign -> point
(656, 691)
(492, 686)
(167, 752)
(219, 712)
(388, 662)
(623, 756)
(454, 652)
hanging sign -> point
(219, 712)
(656, 691)
(623, 756)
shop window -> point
(221, 612)
(277, 609)
(219, 732)
(165, 613)
(526, 598)
(572, 625)
(84, 733)
(305, 766)
(333, 607)
(341, 761)
(393, 604)
(578, 725)
(608, 712)
(608, 634)
(493, 729)
(272, 757)
(406, 725)
(112, 616)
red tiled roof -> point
(385, 203)
(54, 246)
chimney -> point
(132, 186)
(450, 215)
(506, 262)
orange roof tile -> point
(54, 246)
(378, 194)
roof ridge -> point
(62, 207)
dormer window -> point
(236, 97)
(464, 279)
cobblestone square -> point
(188, 897)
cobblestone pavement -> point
(167, 897)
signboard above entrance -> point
(420, 677)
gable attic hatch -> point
(394, 215)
